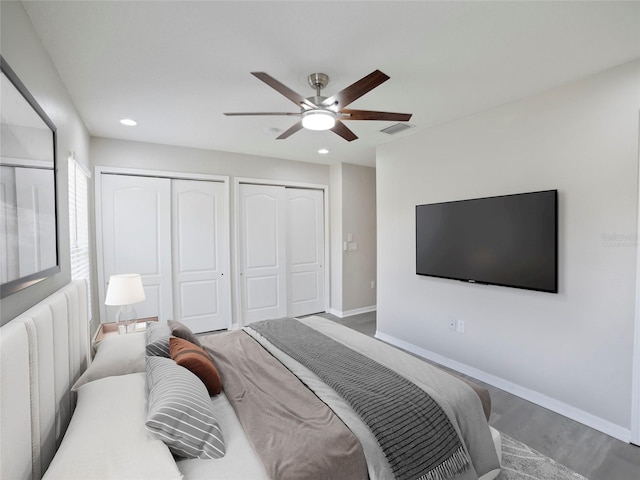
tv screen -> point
(510, 240)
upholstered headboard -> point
(42, 353)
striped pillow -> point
(180, 412)
(158, 334)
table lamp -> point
(124, 290)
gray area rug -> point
(520, 462)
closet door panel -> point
(262, 230)
(305, 251)
(201, 282)
(136, 238)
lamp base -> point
(126, 319)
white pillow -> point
(115, 355)
(107, 438)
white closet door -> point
(305, 251)
(136, 238)
(262, 252)
(200, 252)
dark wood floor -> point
(591, 453)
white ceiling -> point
(175, 66)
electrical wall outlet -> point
(460, 326)
(373, 284)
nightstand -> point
(106, 329)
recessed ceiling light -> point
(323, 151)
(128, 122)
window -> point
(79, 224)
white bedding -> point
(116, 407)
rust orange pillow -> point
(195, 359)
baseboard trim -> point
(350, 313)
(540, 399)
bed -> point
(286, 399)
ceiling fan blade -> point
(342, 130)
(286, 134)
(237, 114)
(358, 89)
(371, 115)
(284, 90)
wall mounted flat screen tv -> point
(510, 240)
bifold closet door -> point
(175, 234)
(136, 238)
(200, 251)
(305, 251)
(262, 252)
(281, 251)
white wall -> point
(359, 220)
(335, 225)
(151, 156)
(353, 211)
(570, 351)
(25, 54)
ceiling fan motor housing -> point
(318, 81)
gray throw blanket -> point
(416, 436)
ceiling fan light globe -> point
(318, 120)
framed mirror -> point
(28, 220)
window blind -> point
(79, 225)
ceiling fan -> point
(327, 113)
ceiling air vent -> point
(397, 128)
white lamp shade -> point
(125, 289)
